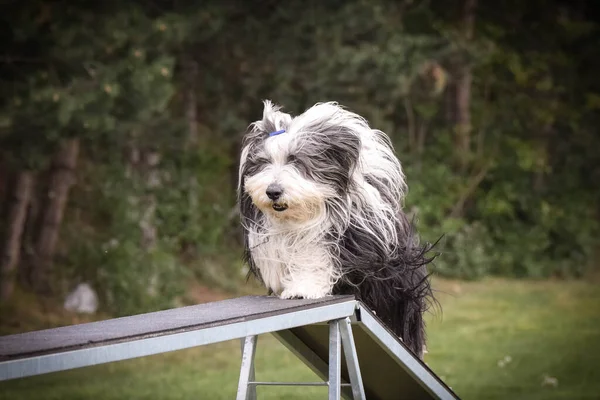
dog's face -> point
(290, 176)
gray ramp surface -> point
(136, 327)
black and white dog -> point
(321, 206)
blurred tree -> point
(463, 86)
(99, 77)
(15, 224)
(492, 107)
(60, 179)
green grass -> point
(546, 328)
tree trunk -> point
(3, 184)
(458, 209)
(463, 90)
(60, 181)
(16, 216)
(463, 120)
(411, 124)
(191, 102)
(421, 138)
(152, 177)
(539, 177)
(191, 114)
(450, 104)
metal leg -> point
(358, 391)
(340, 331)
(335, 361)
(245, 391)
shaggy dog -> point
(321, 207)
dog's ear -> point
(344, 148)
(273, 119)
(343, 151)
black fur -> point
(395, 286)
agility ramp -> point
(375, 366)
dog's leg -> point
(307, 286)
(309, 283)
(311, 273)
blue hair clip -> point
(277, 132)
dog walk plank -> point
(136, 327)
(389, 370)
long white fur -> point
(290, 248)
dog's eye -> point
(291, 159)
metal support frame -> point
(335, 360)
(358, 390)
(340, 336)
(246, 391)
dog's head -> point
(291, 167)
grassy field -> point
(495, 339)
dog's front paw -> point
(287, 296)
(300, 291)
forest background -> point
(120, 127)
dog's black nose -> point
(274, 191)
